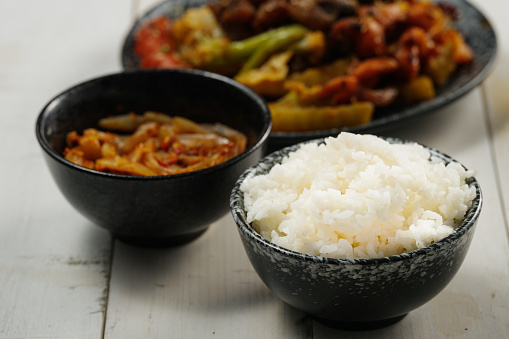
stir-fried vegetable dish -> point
(158, 145)
(320, 64)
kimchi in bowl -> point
(154, 210)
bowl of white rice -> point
(356, 230)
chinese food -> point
(357, 196)
(159, 145)
(320, 64)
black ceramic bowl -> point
(161, 210)
(356, 294)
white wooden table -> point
(63, 277)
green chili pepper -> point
(281, 39)
(256, 49)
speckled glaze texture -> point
(354, 294)
(162, 210)
(472, 23)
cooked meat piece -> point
(379, 97)
(235, 16)
(238, 12)
(341, 8)
(271, 13)
(320, 14)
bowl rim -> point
(236, 204)
(261, 138)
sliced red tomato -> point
(155, 47)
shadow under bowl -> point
(161, 210)
(354, 294)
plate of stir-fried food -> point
(324, 65)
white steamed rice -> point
(358, 196)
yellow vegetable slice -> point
(419, 89)
(308, 84)
(320, 75)
(441, 66)
(288, 115)
(269, 79)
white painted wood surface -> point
(62, 277)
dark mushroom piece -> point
(320, 14)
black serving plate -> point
(474, 26)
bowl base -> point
(171, 241)
(359, 325)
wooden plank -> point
(203, 289)
(55, 264)
(144, 6)
(497, 99)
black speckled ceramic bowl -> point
(162, 210)
(357, 294)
